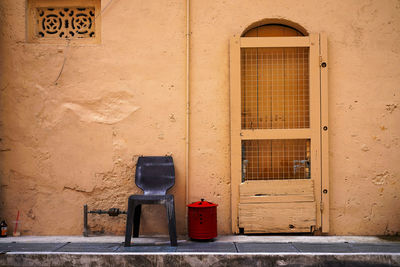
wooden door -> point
(276, 138)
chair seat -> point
(150, 197)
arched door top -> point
(274, 28)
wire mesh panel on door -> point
(275, 88)
(276, 159)
(275, 95)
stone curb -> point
(198, 259)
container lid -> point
(202, 204)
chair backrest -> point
(155, 175)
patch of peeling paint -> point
(109, 109)
(381, 178)
(78, 188)
(172, 117)
(364, 148)
(391, 107)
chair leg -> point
(129, 221)
(171, 221)
(136, 220)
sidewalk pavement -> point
(223, 251)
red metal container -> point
(202, 220)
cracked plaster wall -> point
(75, 141)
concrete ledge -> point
(222, 238)
(198, 259)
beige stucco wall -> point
(73, 142)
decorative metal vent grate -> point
(58, 21)
(69, 23)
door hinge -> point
(321, 206)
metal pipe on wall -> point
(187, 139)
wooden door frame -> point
(319, 118)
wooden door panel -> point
(292, 217)
(273, 191)
(276, 206)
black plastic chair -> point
(154, 175)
